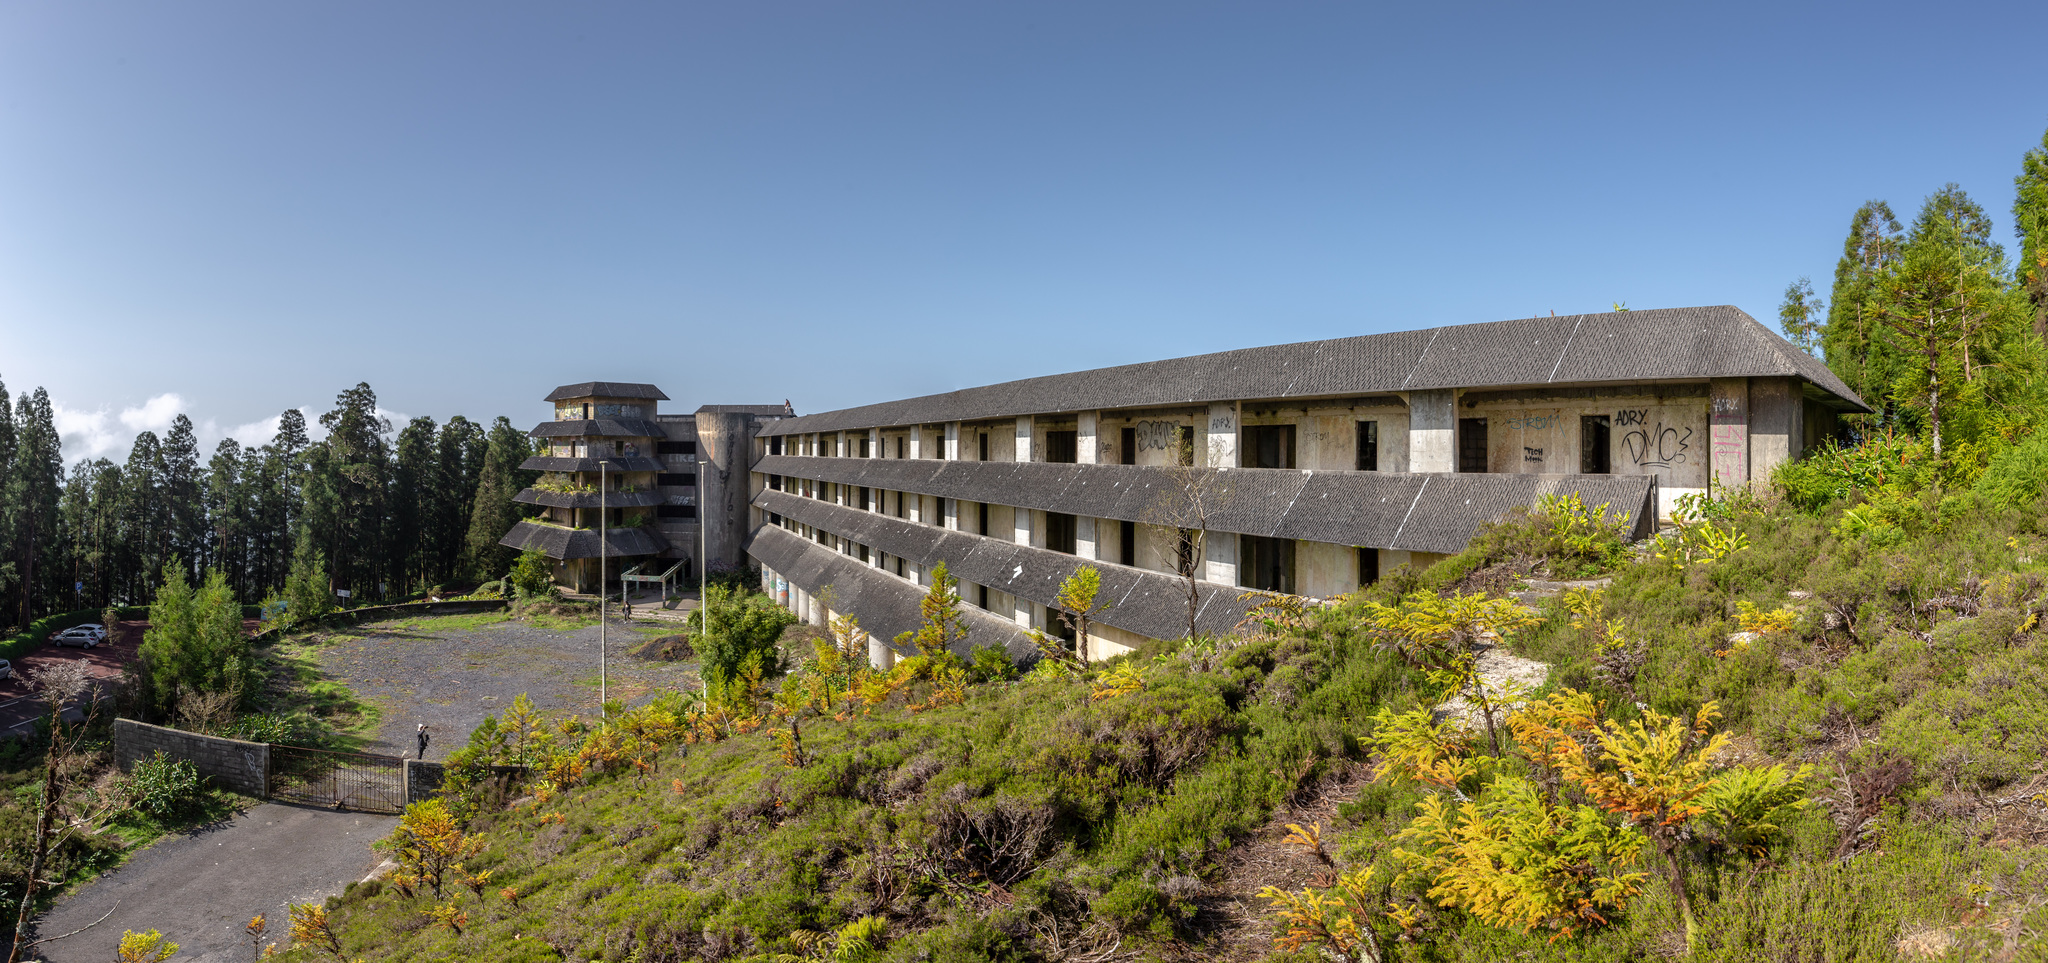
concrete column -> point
(952, 441)
(1219, 558)
(1223, 421)
(1728, 420)
(1024, 438)
(917, 441)
(874, 442)
(1084, 537)
(1085, 445)
(1777, 428)
(1023, 526)
(725, 443)
(952, 519)
(1024, 611)
(1433, 430)
(839, 444)
(880, 655)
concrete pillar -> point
(917, 441)
(1024, 438)
(839, 444)
(725, 443)
(1777, 428)
(1023, 526)
(952, 519)
(952, 441)
(1085, 445)
(880, 654)
(1024, 611)
(874, 442)
(1728, 420)
(1433, 430)
(1223, 421)
(1219, 558)
(1084, 537)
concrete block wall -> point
(243, 767)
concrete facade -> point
(1334, 461)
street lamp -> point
(603, 518)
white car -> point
(98, 631)
(79, 636)
(6, 669)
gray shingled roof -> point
(564, 543)
(599, 428)
(885, 605)
(605, 389)
(1648, 345)
(1148, 603)
(617, 462)
(1411, 511)
(535, 496)
(765, 411)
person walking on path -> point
(423, 742)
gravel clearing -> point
(453, 672)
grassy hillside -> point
(1890, 640)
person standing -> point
(423, 742)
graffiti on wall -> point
(1156, 435)
(1631, 416)
(1532, 454)
(1531, 422)
(1657, 445)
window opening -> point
(1368, 446)
(1472, 445)
(1594, 435)
(1059, 532)
(1062, 447)
(1266, 564)
(1267, 446)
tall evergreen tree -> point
(1849, 343)
(143, 520)
(415, 499)
(183, 509)
(35, 491)
(2030, 222)
(1802, 316)
(494, 514)
(356, 465)
(227, 514)
(9, 578)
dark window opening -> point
(1472, 445)
(618, 517)
(774, 519)
(899, 505)
(1184, 553)
(1059, 532)
(670, 479)
(1063, 447)
(1266, 564)
(1368, 446)
(1368, 566)
(1184, 444)
(899, 567)
(867, 503)
(774, 445)
(863, 553)
(586, 411)
(1127, 543)
(1267, 446)
(775, 482)
(939, 512)
(981, 591)
(690, 447)
(1594, 434)
(983, 512)
(984, 446)
(1127, 447)
(675, 511)
(865, 446)
(1060, 629)
(899, 446)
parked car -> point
(98, 631)
(6, 669)
(78, 635)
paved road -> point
(258, 862)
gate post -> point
(404, 784)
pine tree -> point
(2030, 222)
(414, 501)
(35, 490)
(1802, 316)
(356, 465)
(493, 516)
(1847, 341)
(183, 509)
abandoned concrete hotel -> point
(1335, 461)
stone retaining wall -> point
(243, 767)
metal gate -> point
(339, 780)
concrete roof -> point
(599, 428)
(605, 389)
(1623, 346)
(1412, 511)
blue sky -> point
(228, 209)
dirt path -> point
(449, 675)
(201, 889)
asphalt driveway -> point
(450, 676)
(201, 889)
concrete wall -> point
(1433, 430)
(243, 767)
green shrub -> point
(991, 664)
(163, 788)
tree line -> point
(1933, 324)
(381, 516)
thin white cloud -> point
(107, 433)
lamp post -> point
(603, 518)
